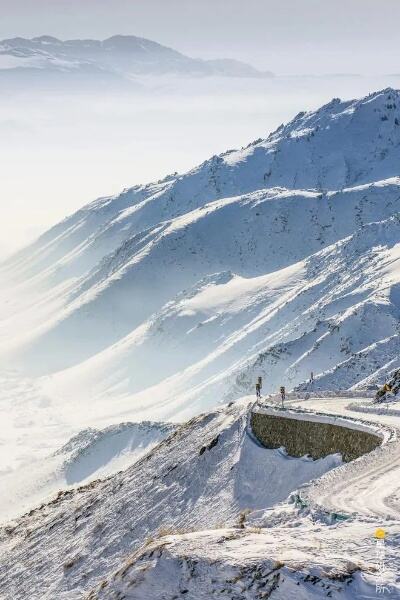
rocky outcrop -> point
(391, 388)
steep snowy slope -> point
(176, 524)
(216, 338)
(353, 322)
(247, 235)
(201, 477)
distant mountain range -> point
(278, 259)
(120, 58)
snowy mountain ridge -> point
(353, 143)
(118, 57)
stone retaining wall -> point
(312, 438)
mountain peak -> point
(342, 143)
(378, 101)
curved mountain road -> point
(368, 486)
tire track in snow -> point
(369, 485)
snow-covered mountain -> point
(116, 58)
(278, 259)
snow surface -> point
(170, 524)
(233, 565)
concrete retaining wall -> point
(301, 437)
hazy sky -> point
(290, 36)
